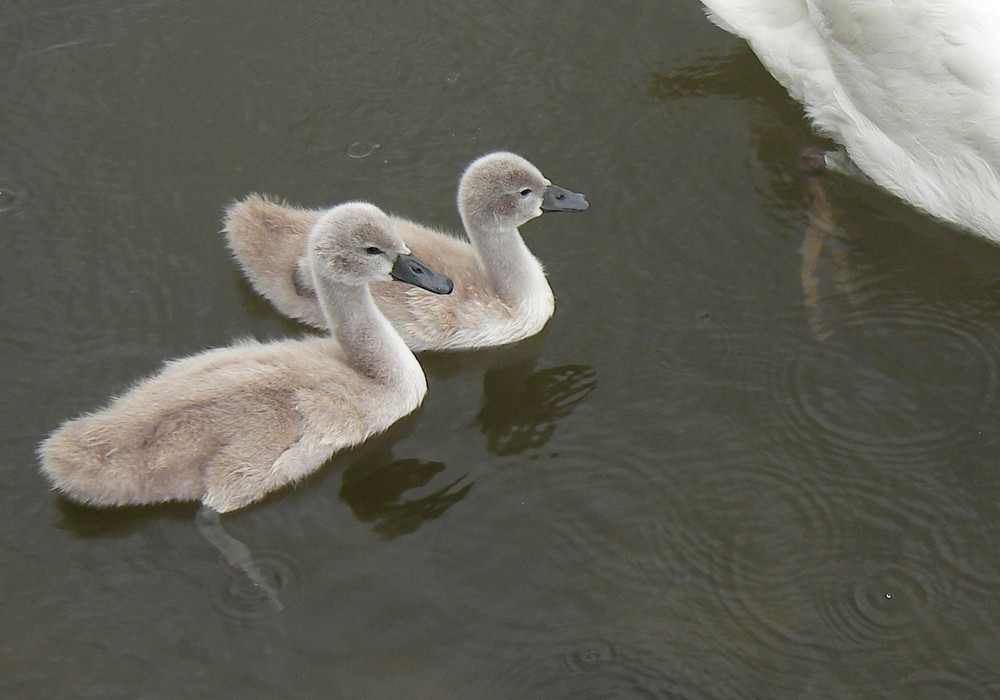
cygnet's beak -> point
(557, 198)
(409, 269)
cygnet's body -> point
(501, 294)
(227, 426)
(910, 88)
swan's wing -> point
(268, 240)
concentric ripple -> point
(976, 559)
(362, 149)
(849, 607)
(770, 525)
(240, 599)
(711, 346)
(790, 556)
(885, 604)
(768, 517)
(891, 386)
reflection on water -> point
(822, 242)
(91, 522)
(521, 405)
(374, 488)
(840, 390)
(520, 409)
(738, 75)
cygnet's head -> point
(503, 190)
(355, 243)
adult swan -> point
(909, 88)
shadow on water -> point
(89, 522)
(520, 408)
(374, 485)
(521, 405)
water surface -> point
(752, 455)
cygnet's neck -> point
(371, 345)
(514, 272)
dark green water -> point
(743, 461)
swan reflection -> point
(521, 405)
(373, 488)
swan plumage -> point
(501, 293)
(229, 425)
(909, 88)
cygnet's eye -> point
(373, 250)
(525, 192)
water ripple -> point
(976, 560)
(14, 197)
(843, 606)
(886, 604)
(362, 149)
(875, 388)
(766, 543)
(240, 600)
(590, 655)
(712, 346)
(771, 517)
(934, 685)
(592, 668)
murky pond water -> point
(754, 454)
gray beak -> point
(409, 269)
(557, 198)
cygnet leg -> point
(234, 551)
